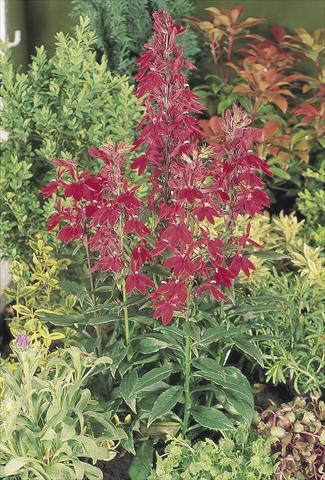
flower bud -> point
(22, 341)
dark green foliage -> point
(124, 26)
(59, 108)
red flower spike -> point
(174, 234)
(140, 164)
(168, 129)
(165, 311)
(212, 288)
(187, 188)
(241, 263)
(69, 234)
(168, 297)
(106, 264)
(49, 189)
(180, 265)
(140, 254)
(222, 276)
(136, 226)
(138, 281)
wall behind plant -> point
(39, 20)
(309, 14)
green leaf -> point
(12, 383)
(232, 382)
(237, 407)
(150, 345)
(57, 471)
(192, 330)
(14, 465)
(215, 334)
(63, 320)
(117, 353)
(90, 447)
(211, 418)
(104, 288)
(154, 376)
(278, 172)
(111, 431)
(322, 142)
(142, 319)
(103, 360)
(164, 403)
(134, 300)
(78, 468)
(73, 287)
(250, 349)
(140, 467)
(128, 389)
(92, 473)
(128, 444)
(271, 255)
(102, 319)
(69, 320)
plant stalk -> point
(90, 274)
(125, 308)
(126, 316)
(187, 406)
(92, 289)
(222, 311)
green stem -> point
(126, 316)
(125, 308)
(90, 274)
(222, 311)
(187, 406)
(98, 328)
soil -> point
(116, 469)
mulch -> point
(116, 469)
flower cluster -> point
(196, 193)
(190, 187)
(103, 209)
(196, 227)
(168, 128)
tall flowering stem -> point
(168, 128)
(188, 224)
(193, 188)
(104, 210)
(187, 389)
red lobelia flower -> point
(192, 189)
(168, 128)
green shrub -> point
(287, 314)
(123, 27)
(246, 457)
(36, 290)
(48, 421)
(282, 304)
(311, 203)
(58, 108)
